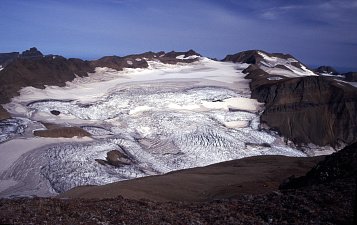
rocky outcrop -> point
(326, 70)
(4, 114)
(115, 158)
(119, 63)
(339, 165)
(311, 109)
(257, 57)
(32, 53)
(62, 132)
(304, 109)
(38, 72)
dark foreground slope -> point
(318, 205)
(323, 202)
(253, 175)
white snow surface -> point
(188, 57)
(164, 118)
(269, 65)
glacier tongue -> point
(161, 124)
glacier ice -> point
(161, 126)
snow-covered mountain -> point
(156, 112)
(302, 106)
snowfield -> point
(164, 118)
(269, 65)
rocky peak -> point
(32, 53)
(191, 53)
(326, 70)
(250, 57)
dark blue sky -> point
(316, 32)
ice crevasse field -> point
(162, 118)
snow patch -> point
(270, 62)
(274, 78)
(182, 57)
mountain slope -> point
(32, 68)
(253, 175)
(303, 107)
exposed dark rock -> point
(250, 57)
(308, 109)
(101, 162)
(253, 57)
(326, 69)
(32, 53)
(65, 132)
(311, 109)
(38, 72)
(115, 158)
(4, 114)
(264, 145)
(170, 57)
(339, 165)
(55, 112)
(351, 76)
(119, 63)
(191, 53)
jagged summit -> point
(278, 65)
(326, 70)
(253, 56)
(32, 53)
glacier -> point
(164, 118)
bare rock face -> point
(115, 158)
(326, 70)
(119, 63)
(64, 132)
(310, 109)
(32, 53)
(4, 114)
(55, 112)
(304, 109)
(38, 72)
